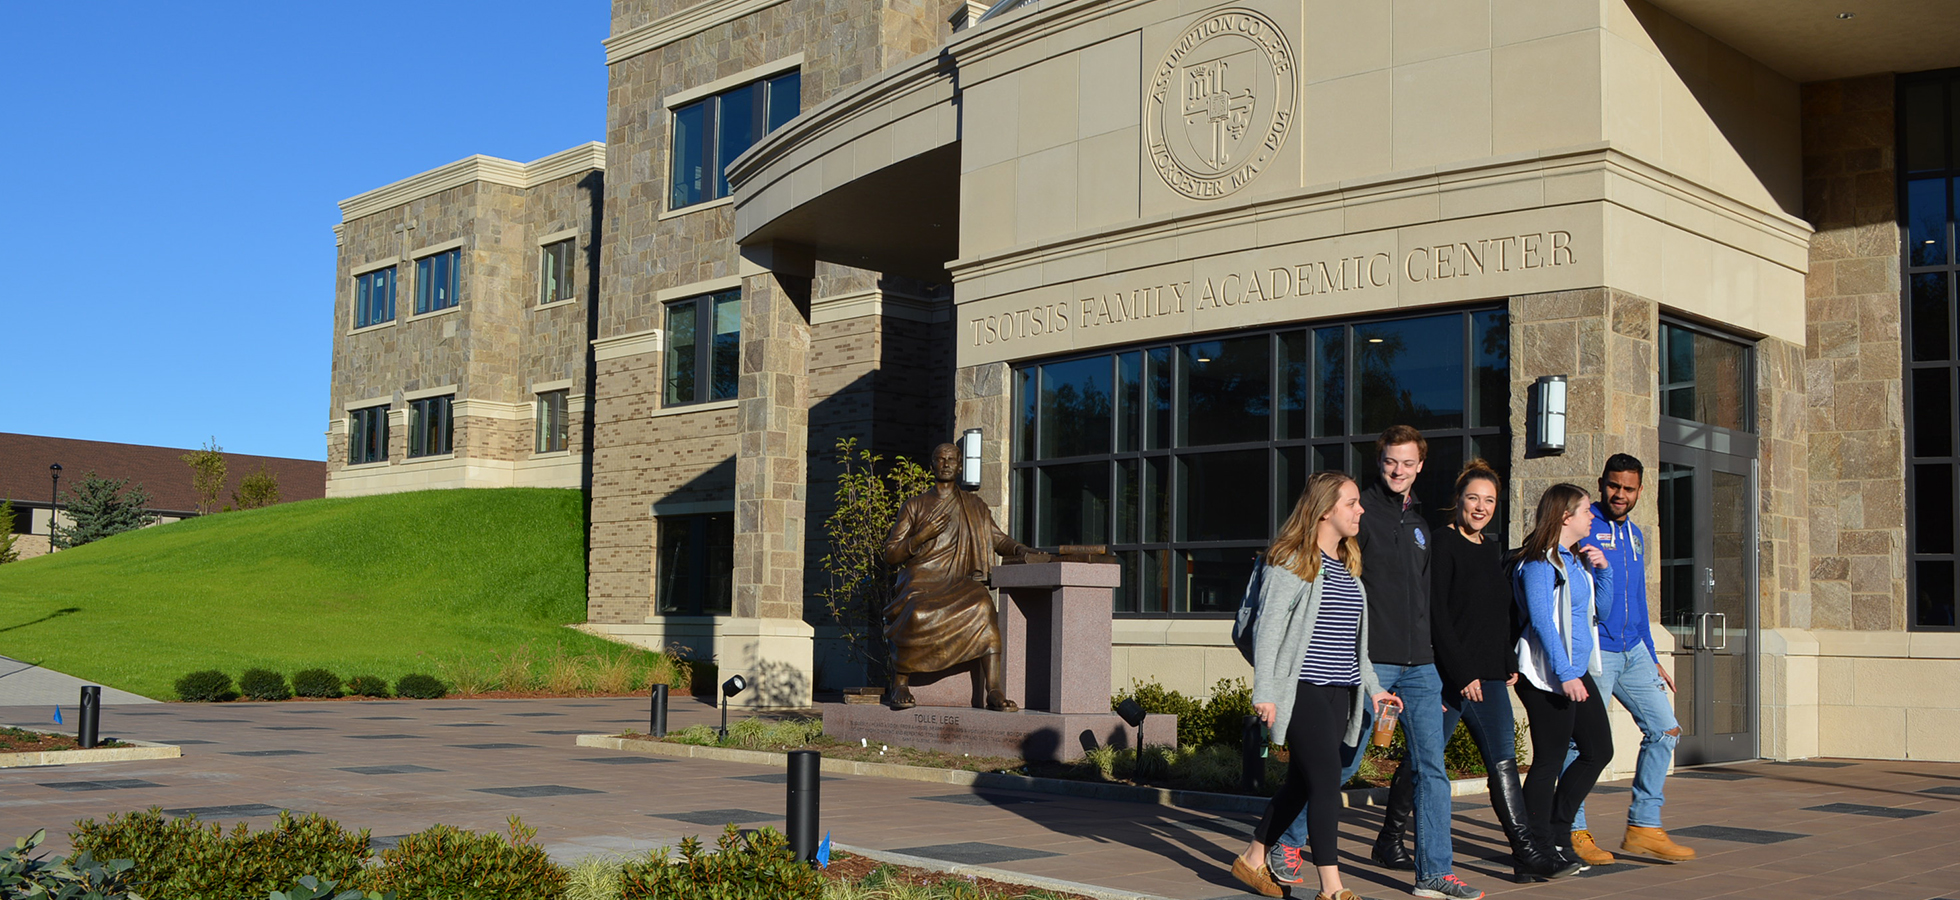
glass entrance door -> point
(1707, 540)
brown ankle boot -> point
(1654, 842)
(1588, 850)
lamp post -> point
(734, 685)
(54, 497)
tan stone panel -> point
(1430, 29)
(1107, 178)
(1344, 38)
(1442, 109)
(1048, 113)
(990, 133)
(1933, 733)
(1547, 92)
(1110, 87)
(1517, 21)
(987, 209)
(1043, 199)
(1632, 97)
(1364, 140)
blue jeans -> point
(1490, 721)
(1422, 721)
(1631, 677)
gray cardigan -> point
(1287, 612)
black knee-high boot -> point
(1400, 806)
(1532, 856)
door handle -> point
(1724, 630)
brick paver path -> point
(1867, 829)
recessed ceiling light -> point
(1374, 340)
(1846, 15)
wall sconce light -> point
(970, 459)
(1548, 425)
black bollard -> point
(804, 778)
(91, 719)
(658, 728)
(1252, 756)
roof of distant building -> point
(24, 461)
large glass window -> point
(1186, 457)
(696, 564)
(709, 133)
(430, 425)
(436, 277)
(1929, 165)
(1706, 379)
(374, 297)
(704, 348)
(554, 427)
(555, 271)
(367, 435)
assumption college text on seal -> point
(1220, 104)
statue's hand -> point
(1036, 556)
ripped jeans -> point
(1632, 678)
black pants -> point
(1551, 798)
(1313, 772)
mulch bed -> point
(851, 867)
(20, 740)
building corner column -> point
(765, 639)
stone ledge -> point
(1005, 876)
(141, 750)
(1123, 793)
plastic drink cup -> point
(1385, 724)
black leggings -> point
(1553, 798)
(1313, 771)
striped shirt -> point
(1331, 658)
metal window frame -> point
(553, 418)
(360, 425)
(695, 603)
(704, 346)
(419, 410)
(1950, 78)
(425, 295)
(364, 297)
(1025, 469)
(561, 252)
(711, 133)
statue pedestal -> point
(1055, 628)
(1055, 623)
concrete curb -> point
(1091, 790)
(1001, 875)
(141, 750)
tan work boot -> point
(1654, 842)
(1588, 850)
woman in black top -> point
(1474, 629)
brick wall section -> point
(1852, 364)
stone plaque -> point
(1220, 104)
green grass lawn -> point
(383, 585)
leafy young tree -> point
(861, 583)
(258, 489)
(207, 475)
(100, 507)
(7, 552)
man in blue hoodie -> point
(1633, 673)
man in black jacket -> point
(1395, 545)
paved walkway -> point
(1830, 828)
(27, 684)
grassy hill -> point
(384, 585)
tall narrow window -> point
(553, 429)
(436, 277)
(696, 564)
(709, 133)
(555, 271)
(367, 435)
(1928, 167)
(704, 348)
(374, 297)
(429, 426)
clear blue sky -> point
(172, 175)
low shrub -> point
(753, 734)
(367, 686)
(1214, 720)
(183, 857)
(318, 683)
(80, 877)
(448, 863)
(310, 888)
(421, 687)
(208, 686)
(264, 684)
(757, 866)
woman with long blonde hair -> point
(1311, 678)
(1558, 656)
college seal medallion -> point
(1220, 104)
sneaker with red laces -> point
(1449, 887)
(1285, 865)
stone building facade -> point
(1127, 241)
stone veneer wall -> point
(1852, 363)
